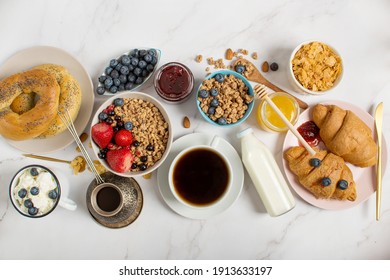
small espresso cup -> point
(200, 176)
(35, 191)
(107, 199)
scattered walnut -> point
(199, 58)
(254, 55)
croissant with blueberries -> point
(345, 135)
(325, 175)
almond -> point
(147, 176)
(83, 137)
(265, 66)
(229, 54)
(186, 122)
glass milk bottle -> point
(265, 174)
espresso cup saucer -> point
(132, 201)
(198, 212)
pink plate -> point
(364, 177)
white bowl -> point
(137, 95)
(297, 85)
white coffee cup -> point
(42, 198)
(200, 184)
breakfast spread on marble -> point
(132, 135)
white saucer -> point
(206, 212)
(28, 58)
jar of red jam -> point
(174, 82)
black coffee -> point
(200, 177)
(108, 199)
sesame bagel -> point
(70, 98)
(33, 122)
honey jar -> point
(269, 120)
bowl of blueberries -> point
(225, 98)
(128, 71)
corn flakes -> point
(316, 66)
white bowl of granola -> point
(131, 133)
(315, 68)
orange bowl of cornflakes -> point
(315, 67)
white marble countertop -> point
(96, 31)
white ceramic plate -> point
(206, 212)
(34, 56)
(364, 177)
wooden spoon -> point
(255, 76)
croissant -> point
(345, 135)
(325, 175)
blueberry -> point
(342, 184)
(240, 68)
(125, 60)
(22, 193)
(131, 78)
(28, 203)
(109, 121)
(211, 111)
(118, 118)
(100, 90)
(102, 78)
(134, 61)
(152, 52)
(142, 53)
(150, 148)
(315, 162)
(142, 166)
(136, 143)
(150, 67)
(121, 87)
(128, 125)
(154, 61)
(108, 70)
(34, 191)
(108, 82)
(134, 53)
(33, 211)
(214, 92)
(117, 82)
(203, 93)
(129, 86)
(131, 68)
(143, 158)
(118, 67)
(142, 64)
(222, 121)
(114, 74)
(148, 58)
(34, 171)
(102, 116)
(274, 66)
(134, 165)
(119, 102)
(145, 73)
(113, 89)
(113, 62)
(214, 103)
(326, 181)
(139, 80)
(102, 156)
(123, 79)
(137, 71)
(219, 78)
(124, 70)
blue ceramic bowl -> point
(250, 92)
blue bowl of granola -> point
(225, 98)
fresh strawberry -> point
(123, 138)
(102, 134)
(120, 160)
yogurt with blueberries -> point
(35, 192)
